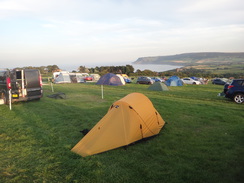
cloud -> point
(109, 30)
(49, 25)
(213, 12)
(12, 5)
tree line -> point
(130, 71)
(201, 73)
(43, 69)
(127, 69)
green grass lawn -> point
(202, 140)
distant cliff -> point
(190, 59)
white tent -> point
(77, 77)
(62, 77)
(80, 78)
(121, 79)
(96, 77)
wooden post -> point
(102, 90)
(52, 86)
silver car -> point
(190, 81)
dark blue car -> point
(156, 79)
(235, 90)
(219, 81)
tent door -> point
(141, 131)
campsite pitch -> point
(202, 140)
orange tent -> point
(128, 120)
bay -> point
(142, 67)
(154, 67)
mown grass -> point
(201, 142)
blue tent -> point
(195, 78)
(109, 79)
(174, 81)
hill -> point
(194, 59)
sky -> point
(72, 33)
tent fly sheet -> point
(128, 120)
(62, 77)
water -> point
(154, 67)
(142, 67)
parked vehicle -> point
(156, 79)
(88, 78)
(219, 81)
(235, 90)
(190, 81)
(163, 79)
(20, 85)
(125, 77)
(127, 80)
(95, 77)
(226, 88)
(144, 80)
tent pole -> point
(10, 99)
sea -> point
(142, 67)
(154, 67)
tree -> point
(129, 69)
(92, 70)
(83, 69)
(52, 68)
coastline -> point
(152, 67)
(155, 67)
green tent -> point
(158, 86)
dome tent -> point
(110, 79)
(158, 86)
(174, 81)
(129, 119)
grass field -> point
(201, 142)
(220, 69)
